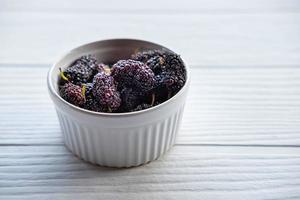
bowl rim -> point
(55, 94)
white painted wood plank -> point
(186, 172)
(230, 105)
(202, 39)
(155, 6)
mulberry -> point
(170, 80)
(157, 64)
(72, 94)
(130, 99)
(91, 103)
(169, 71)
(134, 74)
(105, 91)
(144, 56)
(82, 70)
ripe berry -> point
(130, 99)
(169, 71)
(144, 56)
(170, 80)
(134, 74)
(72, 94)
(157, 64)
(91, 103)
(82, 70)
(174, 76)
(105, 91)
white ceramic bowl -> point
(116, 139)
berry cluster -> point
(82, 70)
(105, 91)
(147, 79)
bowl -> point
(116, 139)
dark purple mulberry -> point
(82, 70)
(105, 91)
(130, 99)
(170, 80)
(91, 103)
(144, 56)
(174, 63)
(174, 76)
(135, 74)
(157, 64)
(169, 70)
(166, 61)
(72, 94)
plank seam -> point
(179, 144)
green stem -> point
(83, 90)
(62, 75)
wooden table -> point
(240, 137)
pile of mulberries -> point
(146, 79)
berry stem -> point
(83, 90)
(62, 75)
(161, 60)
(107, 69)
(136, 50)
(153, 99)
(109, 109)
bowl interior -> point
(106, 51)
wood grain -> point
(240, 106)
(208, 172)
(202, 39)
(240, 133)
